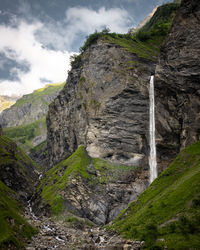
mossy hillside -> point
(78, 166)
(14, 230)
(39, 94)
(25, 134)
(170, 208)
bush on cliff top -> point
(170, 208)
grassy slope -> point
(147, 41)
(169, 208)
(13, 228)
(39, 94)
(78, 165)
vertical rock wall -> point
(104, 106)
(177, 85)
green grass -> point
(39, 94)
(26, 133)
(78, 166)
(160, 23)
(169, 208)
(13, 228)
(57, 177)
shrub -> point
(92, 38)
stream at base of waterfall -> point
(54, 234)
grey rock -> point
(177, 84)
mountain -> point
(98, 144)
(30, 107)
(6, 102)
(25, 121)
(98, 126)
(166, 214)
(105, 103)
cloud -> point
(80, 22)
(19, 44)
(41, 47)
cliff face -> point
(177, 84)
(103, 106)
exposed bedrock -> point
(177, 85)
(104, 106)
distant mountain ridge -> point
(30, 107)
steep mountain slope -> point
(169, 209)
(177, 84)
(14, 229)
(105, 104)
(6, 102)
(18, 177)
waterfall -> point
(152, 157)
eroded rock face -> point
(177, 84)
(104, 106)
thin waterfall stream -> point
(152, 157)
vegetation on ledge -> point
(168, 212)
(146, 42)
(78, 166)
(33, 98)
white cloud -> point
(20, 45)
(44, 45)
(87, 20)
(83, 21)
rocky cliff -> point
(105, 103)
(177, 84)
(103, 106)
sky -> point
(39, 36)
